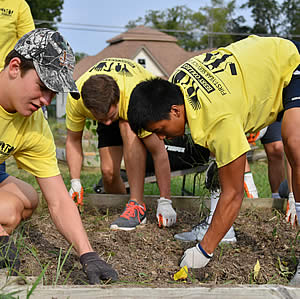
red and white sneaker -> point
(133, 215)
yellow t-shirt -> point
(235, 90)
(15, 21)
(127, 75)
(30, 141)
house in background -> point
(158, 52)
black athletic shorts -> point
(291, 93)
(109, 135)
(272, 134)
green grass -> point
(260, 174)
(90, 176)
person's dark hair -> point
(99, 92)
(25, 65)
(151, 101)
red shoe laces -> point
(130, 211)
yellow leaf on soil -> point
(181, 274)
(256, 269)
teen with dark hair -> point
(222, 95)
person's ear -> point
(175, 110)
(14, 66)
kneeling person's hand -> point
(76, 191)
(195, 257)
(96, 269)
(165, 214)
(291, 214)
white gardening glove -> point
(194, 258)
(291, 215)
(165, 214)
(249, 186)
(76, 192)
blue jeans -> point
(3, 174)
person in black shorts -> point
(105, 92)
(273, 146)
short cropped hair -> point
(26, 64)
(99, 93)
(151, 101)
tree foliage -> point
(218, 24)
(291, 22)
(218, 18)
(176, 21)
(265, 14)
(46, 10)
(79, 56)
(193, 29)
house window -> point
(142, 62)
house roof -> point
(142, 33)
(161, 47)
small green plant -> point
(37, 281)
(9, 295)
(283, 269)
(274, 232)
(60, 265)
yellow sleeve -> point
(25, 21)
(227, 141)
(76, 114)
(38, 153)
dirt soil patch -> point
(149, 256)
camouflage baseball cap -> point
(52, 58)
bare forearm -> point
(74, 155)
(163, 174)
(161, 164)
(67, 220)
(232, 185)
(223, 218)
(64, 213)
(75, 161)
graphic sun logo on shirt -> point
(107, 66)
(6, 12)
(189, 85)
(5, 149)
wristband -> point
(209, 256)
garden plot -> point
(149, 256)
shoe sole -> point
(184, 240)
(116, 227)
(233, 240)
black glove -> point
(9, 256)
(96, 269)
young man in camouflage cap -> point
(40, 65)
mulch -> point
(149, 256)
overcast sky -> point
(105, 18)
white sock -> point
(250, 187)
(214, 198)
(298, 210)
(275, 195)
